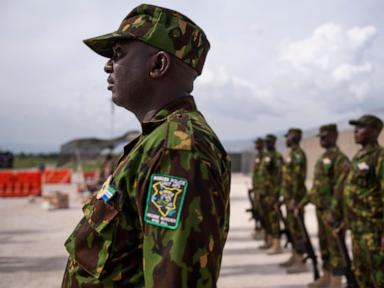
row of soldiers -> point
(347, 195)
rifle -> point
(340, 240)
(285, 230)
(254, 213)
(305, 245)
(371, 267)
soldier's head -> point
(367, 129)
(155, 53)
(259, 144)
(293, 137)
(270, 142)
(328, 136)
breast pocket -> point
(362, 177)
(90, 242)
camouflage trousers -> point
(294, 228)
(368, 259)
(256, 207)
(330, 252)
(263, 210)
(272, 217)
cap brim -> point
(355, 122)
(103, 44)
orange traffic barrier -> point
(57, 176)
(90, 177)
(20, 183)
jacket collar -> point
(367, 150)
(185, 103)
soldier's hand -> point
(330, 219)
(382, 242)
(337, 230)
(291, 205)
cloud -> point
(322, 78)
(332, 63)
(329, 46)
(223, 93)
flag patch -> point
(165, 201)
(107, 190)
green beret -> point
(295, 131)
(270, 137)
(159, 27)
(368, 120)
(326, 129)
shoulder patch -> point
(180, 132)
(165, 201)
(327, 161)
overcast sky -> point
(272, 64)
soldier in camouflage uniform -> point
(293, 192)
(270, 174)
(161, 219)
(364, 199)
(326, 194)
(258, 233)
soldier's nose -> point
(108, 67)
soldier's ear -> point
(159, 64)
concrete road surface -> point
(32, 254)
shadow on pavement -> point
(243, 238)
(243, 251)
(14, 236)
(247, 269)
(32, 264)
(240, 229)
(238, 198)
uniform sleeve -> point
(310, 197)
(380, 173)
(299, 176)
(254, 175)
(278, 177)
(341, 170)
(188, 255)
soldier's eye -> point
(117, 53)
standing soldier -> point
(162, 218)
(270, 175)
(293, 191)
(257, 234)
(326, 194)
(364, 198)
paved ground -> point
(32, 253)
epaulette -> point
(179, 132)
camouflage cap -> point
(326, 129)
(270, 137)
(159, 27)
(259, 140)
(368, 120)
(295, 131)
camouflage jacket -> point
(364, 191)
(294, 175)
(271, 173)
(163, 219)
(256, 181)
(326, 193)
